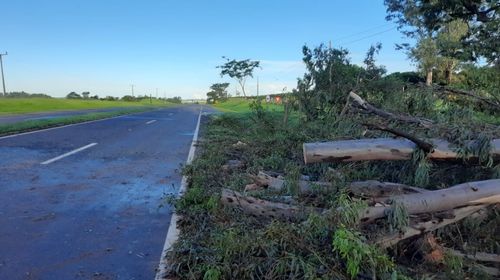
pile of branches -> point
(413, 212)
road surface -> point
(9, 119)
(85, 201)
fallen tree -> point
(467, 194)
(457, 202)
(369, 188)
(491, 103)
(365, 107)
(264, 208)
(382, 149)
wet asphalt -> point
(96, 214)
(9, 119)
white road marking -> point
(151, 121)
(173, 231)
(68, 153)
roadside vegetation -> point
(255, 209)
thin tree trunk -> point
(428, 78)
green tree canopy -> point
(421, 18)
(217, 92)
(239, 70)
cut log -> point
(373, 188)
(429, 226)
(274, 183)
(381, 149)
(467, 194)
(366, 107)
(263, 208)
(370, 188)
(478, 256)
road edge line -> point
(173, 231)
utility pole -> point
(257, 85)
(1, 67)
(132, 86)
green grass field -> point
(241, 105)
(10, 106)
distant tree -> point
(128, 98)
(176, 100)
(22, 94)
(109, 98)
(239, 70)
(450, 47)
(425, 53)
(94, 97)
(73, 95)
(85, 94)
(218, 92)
(372, 70)
(481, 16)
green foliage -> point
(73, 95)
(453, 266)
(350, 209)
(417, 17)
(354, 250)
(212, 274)
(422, 168)
(328, 79)
(239, 70)
(398, 217)
(22, 94)
(218, 92)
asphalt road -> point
(9, 119)
(97, 213)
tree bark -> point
(478, 256)
(263, 208)
(366, 189)
(467, 194)
(428, 78)
(423, 227)
(381, 149)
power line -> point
(368, 36)
(362, 32)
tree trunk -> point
(366, 189)
(428, 78)
(448, 74)
(467, 194)
(263, 208)
(381, 149)
(428, 226)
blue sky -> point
(104, 46)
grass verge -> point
(10, 106)
(25, 126)
(242, 105)
(218, 242)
